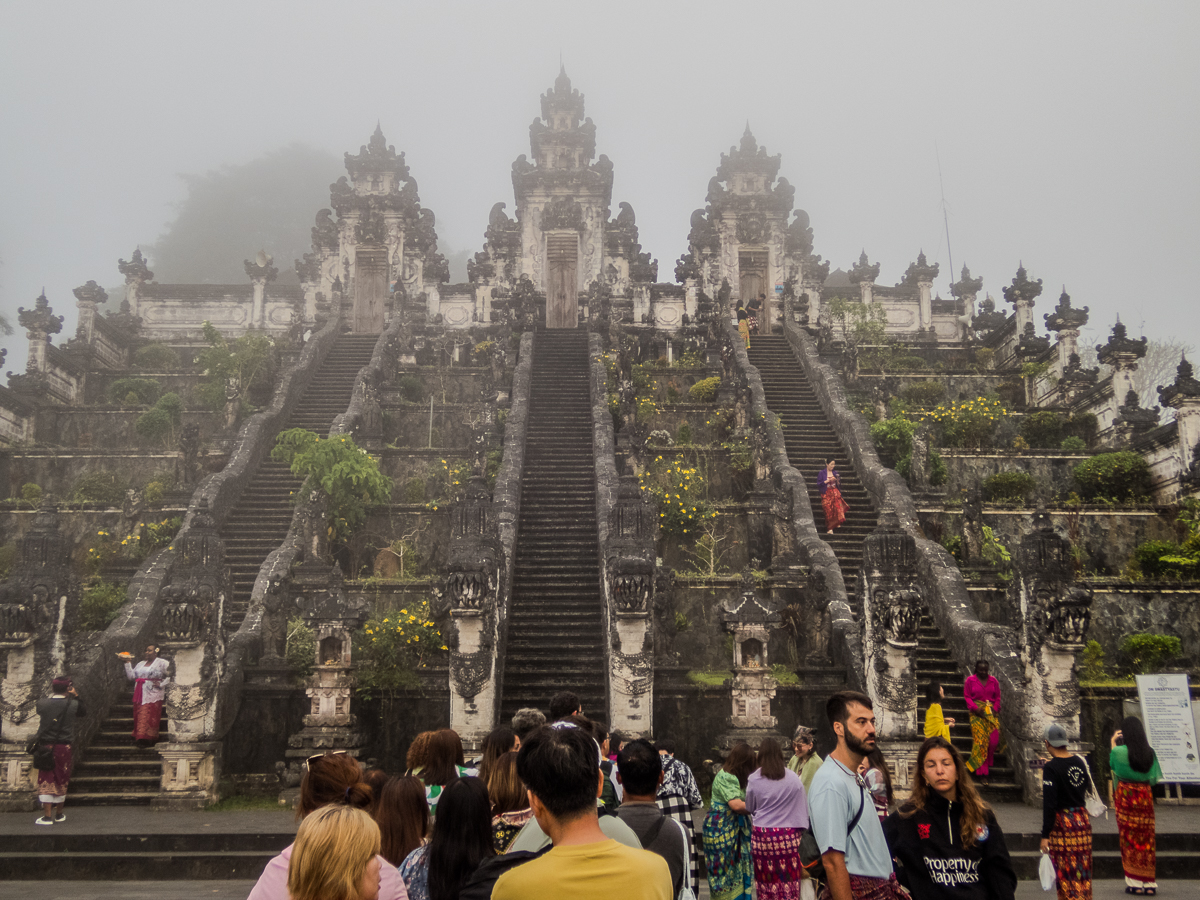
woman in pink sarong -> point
(829, 482)
(982, 693)
(148, 677)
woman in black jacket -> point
(946, 842)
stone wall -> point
(1051, 471)
(110, 428)
(1122, 608)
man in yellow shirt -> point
(561, 769)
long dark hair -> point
(403, 817)
(498, 742)
(933, 693)
(1141, 754)
(505, 788)
(974, 810)
(770, 759)
(875, 758)
(462, 837)
(740, 762)
(445, 752)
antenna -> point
(945, 218)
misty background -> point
(1067, 133)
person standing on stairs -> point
(829, 483)
(56, 733)
(982, 693)
(743, 320)
(149, 676)
(754, 310)
(936, 724)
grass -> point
(1113, 681)
(784, 675)
(240, 802)
(709, 677)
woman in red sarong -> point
(830, 484)
(1135, 771)
(148, 676)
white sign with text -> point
(1167, 712)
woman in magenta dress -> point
(982, 693)
(829, 482)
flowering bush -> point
(705, 390)
(388, 651)
(681, 493)
(449, 476)
(971, 423)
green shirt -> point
(806, 771)
(725, 787)
(1118, 761)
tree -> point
(232, 212)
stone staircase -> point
(115, 772)
(811, 442)
(936, 663)
(555, 628)
(260, 519)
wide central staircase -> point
(113, 770)
(555, 626)
(811, 442)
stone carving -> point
(135, 271)
(371, 227)
(987, 318)
(325, 234)
(629, 566)
(376, 158)
(1066, 317)
(260, 269)
(189, 448)
(966, 286)
(562, 212)
(30, 604)
(1022, 290)
(920, 271)
(863, 270)
(40, 321)
(750, 619)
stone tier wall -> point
(943, 587)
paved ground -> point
(136, 820)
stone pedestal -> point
(190, 773)
(18, 778)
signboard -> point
(779, 288)
(1167, 712)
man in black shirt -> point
(1066, 827)
(56, 731)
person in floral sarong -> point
(727, 828)
(829, 483)
(149, 677)
(982, 693)
(1135, 771)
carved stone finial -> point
(260, 269)
(1065, 317)
(1185, 387)
(1121, 350)
(920, 272)
(967, 286)
(135, 271)
(863, 270)
(1022, 289)
(91, 293)
(41, 319)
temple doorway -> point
(370, 290)
(752, 274)
(562, 262)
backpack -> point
(479, 885)
(810, 853)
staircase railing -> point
(506, 498)
(945, 591)
(101, 678)
(845, 641)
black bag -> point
(810, 853)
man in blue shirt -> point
(854, 851)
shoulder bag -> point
(810, 853)
(43, 754)
(1096, 807)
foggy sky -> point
(1067, 132)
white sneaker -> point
(44, 821)
(60, 817)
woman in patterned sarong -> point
(829, 483)
(727, 828)
(1066, 825)
(982, 693)
(775, 797)
(149, 676)
(1135, 771)
(743, 320)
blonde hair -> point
(333, 847)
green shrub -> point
(1145, 653)
(161, 423)
(993, 549)
(1008, 487)
(301, 648)
(1043, 429)
(705, 390)
(1092, 660)
(134, 391)
(246, 364)
(1119, 476)
(893, 439)
(985, 357)
(967, 423)
(31, 493)
(1073, 444)
(907, 363)
(1083, 426)
(684, 434)
(100, 603)
(99, 487)
(681, 494)
(939, 474)
(924, 393)
(411, 388)
(156, 358)
(154, 491)
(1166, 559)
(690, 359)
(8, 559)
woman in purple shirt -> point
(779, 810)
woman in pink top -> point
(331, 778)
(779, 810)
(982, 693)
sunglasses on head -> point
(308, 762)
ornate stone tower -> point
(562, 203)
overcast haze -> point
(1067, 131)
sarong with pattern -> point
(146, 720)
(53, 782)
(864, 888)
(777, 867)
(727, 853)
(1134, 804)
(835, 507)
(1071, 853)
(985, 740)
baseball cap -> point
(1056, 735)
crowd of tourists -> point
(561, 802)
